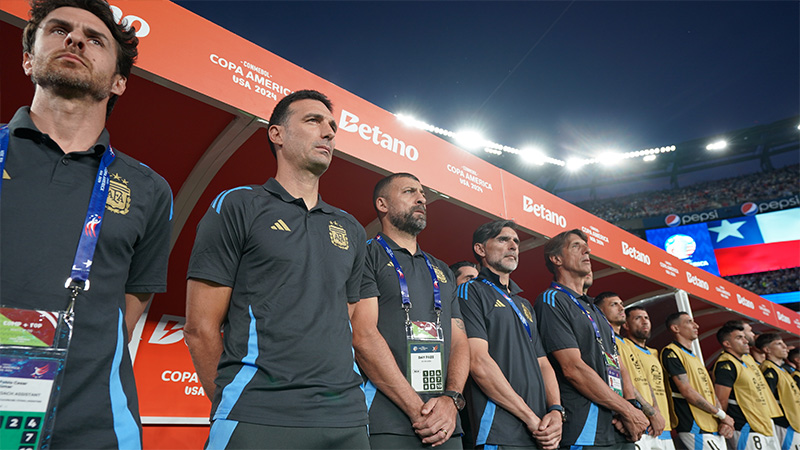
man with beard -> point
(514, 400)
(783, 388)
(280, 269)
(580, 344)
(408, 334)
(637, 324)
(740, 395)
(57, 158)
(749, 358)
(611, 306)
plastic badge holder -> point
(33, 352)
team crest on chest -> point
(527, 313)
(440, 275)
(119, 195)
(338, 235)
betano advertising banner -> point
(239, 75)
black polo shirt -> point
(673, 367)
(287, 356)
(489, 316)
(380, 280)
(45, 196)
(563, 325)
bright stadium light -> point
(575, 164)
(609, 158)
(470, 139)
(532, 155)
(649, 158)
(719, 145)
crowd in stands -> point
(698, 197)
(773, 282)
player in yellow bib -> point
(695, 412)
(610, 304)
(638, 326)
(739, 392)
(779, 379)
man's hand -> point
(657, 424)
(635, 423)
(548, 433)
(726, 427)
(438, 421)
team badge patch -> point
(119, 195)
(440, 275)
(527, 313)
(338, 235)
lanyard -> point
(513, 306)
(401, 277)
(90, 232)
(586, 313)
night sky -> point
(571, 77)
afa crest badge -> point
(338, 235)
(527, 313)
(440, 275)
(119, 195)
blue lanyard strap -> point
(513, 306)
(401, 277)
(90, 233)
(91, 225)
(599, 338)
(3, 151)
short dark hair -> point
(674, 318)
(601, 297)
(555, 246)
(489, 230)
(454, 267)
(793, 353)
(281, 111)
(726, 330)
(124, 36)
(380, 186)
(765, 339)
(633, 308)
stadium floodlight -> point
(609, 159)
(532, 155)
(719, 145)
(649, 158)
(470, 139)
(575, 164)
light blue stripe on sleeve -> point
(486, 423)
(589, 427)
(220, 434)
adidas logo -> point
(281, 226)
(5, 175)
(499, 304)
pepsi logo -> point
(749, 209)
(672, 220)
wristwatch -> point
(458, 399)
(560, 409)
(636, 404)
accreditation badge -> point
(33, 352)
(614, 373)
(425, 356)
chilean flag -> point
(751, 244)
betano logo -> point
(783, 318)
(745, 302)
(163, 335)
(349, 122)
(541, 211)
(142, 29)
(634, 253)
(697, 281)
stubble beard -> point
(640, 335)
(407, 223)
(68, 85)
